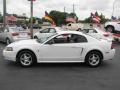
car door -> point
(61, 50)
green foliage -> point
(39, 20)
(58, 17)
(34, 20)
(103, 19)
(87, 20)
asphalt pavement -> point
(60, 76)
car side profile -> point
(62, 47)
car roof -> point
(71, 32)
(57, 28)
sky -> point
(83, 8)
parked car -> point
(47, 32)
(98, 33)
(113, 26)
(11, 34)
(62, 47)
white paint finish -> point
(69, 52)
(116, 25)
(60, 51)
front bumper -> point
(9, 55)
(109, 55)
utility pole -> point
(31, 29)
(73, 8)
(31, 18)
(4, 13)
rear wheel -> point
(26, 58)
(93, 59)
(8, 41)
(110, 29)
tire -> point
(8, 41)
(26, 58)
(94, 59)
(110, 29)
(35, 37)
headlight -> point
(9, 49)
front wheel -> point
(26, 58)
(8, 41)
(93, 59)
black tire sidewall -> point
(112, 28)
(89, 54)
(8, 40)
(29, 52)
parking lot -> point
(60, 76)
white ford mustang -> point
(65, 46)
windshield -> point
(45, 38)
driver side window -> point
(68, 38)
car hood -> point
(24, 42)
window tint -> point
(69, 38)
(78, 38)
(45, 31)
(52, 30)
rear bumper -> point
(109, 55)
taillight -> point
(106, 35)
(15, 34)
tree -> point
(34, 20)
(58, 17)
(103, 19)
(39, 20)
(73, 15)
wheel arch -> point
(110, 26)
(96, 51)
(26, 50)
